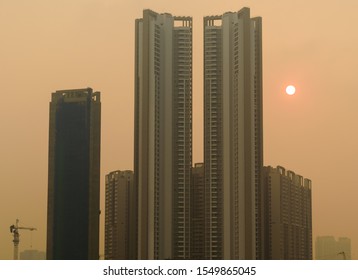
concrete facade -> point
(197, 213)
(233, 149)
(163, 134)
(120, 217)
(288, 215)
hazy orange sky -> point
(52, 45)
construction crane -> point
(14, 229)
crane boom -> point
(29, 228)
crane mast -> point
(14, 229)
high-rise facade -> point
(163, 134)
(233, 150)
(288, 215)
(74, 175)
(120, 217)
(197, 193)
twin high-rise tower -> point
(232, 135)
(163, 134)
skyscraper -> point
(288, 215)
(163, 134)
(74, 175)
(121, 217)
(233, 153)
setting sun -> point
(290, 90)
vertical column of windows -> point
(157, 81)
(182, 109)
(213, 139)
(235, 122)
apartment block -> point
(288, 215)
(120, 216)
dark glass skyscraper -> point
(74, 175)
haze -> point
(53, 45)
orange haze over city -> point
(53, 45)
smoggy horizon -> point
(54, 46)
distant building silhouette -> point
(233, 145)
(163, 134)
(32, 255)
(328, 248)
(344, 248)
(74, 175)
(121, 217)
(197, 193)
(288, 215)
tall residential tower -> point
(233, 155)
(163, 134)
(74, 175)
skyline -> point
(34, 55)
